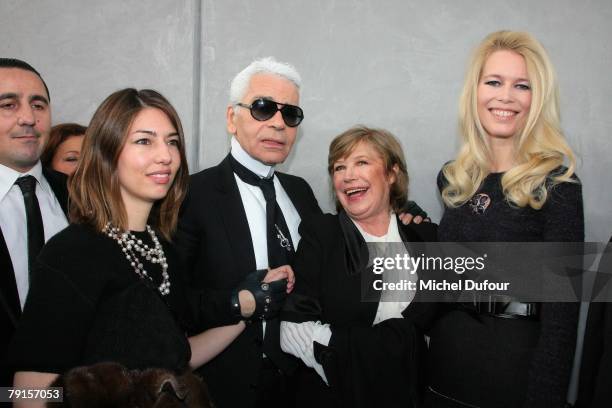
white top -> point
(255, 206)
(388, 309)
(14, 223)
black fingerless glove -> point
(413, 208)
(269, 297)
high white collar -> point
(392, 234)
(257, 167)
(8, 177)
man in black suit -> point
(233, 223)
(33, 200)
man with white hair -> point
(241, 218)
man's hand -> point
(262, 293)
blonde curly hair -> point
(540, 145)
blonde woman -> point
(512, 180)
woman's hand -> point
(208, 344)
(407, 218)
(32, 380)
(412, 213)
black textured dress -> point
(87, 305)
(487, 361)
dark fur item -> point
(112, 385)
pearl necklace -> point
(131, 246)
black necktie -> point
(36, 232)
(280, 246)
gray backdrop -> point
(393, 64)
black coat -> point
(596, 369)
(215, 244)
(365, 365)
(10, 308)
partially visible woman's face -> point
(362, 183)
(67, 155)
(149, 160)
(504, 94)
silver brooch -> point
(479, 203)
(284, 241)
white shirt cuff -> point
(297, 339)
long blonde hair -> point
(540, 146)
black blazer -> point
(215, 244)
(10, 308)
(365, 366)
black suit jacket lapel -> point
(234, 217)
(237, 229)
(58, 182)
(295, 195)
(9, 296)
(356, 259)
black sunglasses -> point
(263, 109)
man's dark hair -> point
(17, 63)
